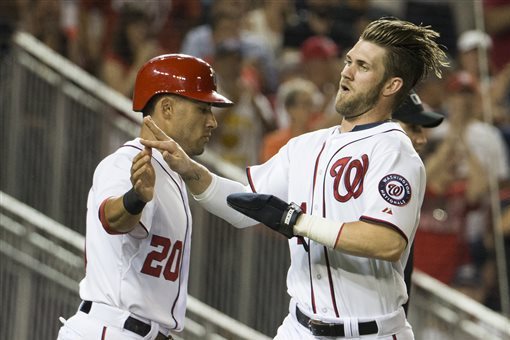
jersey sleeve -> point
(271, 177)
(111, 179)
(395, 185)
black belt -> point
(131, 324)
(319, 328)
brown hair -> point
(412, 52)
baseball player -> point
(355, 193)
(414, 118)
(138, 217)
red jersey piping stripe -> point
(338, 236)
(384, 223)
(250, 181)
(331, 287)
(186, 234)
(312, 295)
(104, 220)
(103, 335)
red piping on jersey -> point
(312, 298)
(185, 235)
(312, 295)
(394, 336)
(331, 287)
(104, 220)
(338, 236)
(384, 223)
(250, 181)
(103, 335)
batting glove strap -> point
(289, 219)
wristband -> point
(132, 202)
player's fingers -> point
(145, 171)
(145, 152)
(140, 162)
(156, 131)
(162, 146)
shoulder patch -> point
(395, 189)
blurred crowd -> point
(280, 61)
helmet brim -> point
(213, 98)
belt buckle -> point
(314, 326)
(319, 328)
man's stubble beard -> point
(357, 106)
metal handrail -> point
(60, 232)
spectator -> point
(316, 17)
(240, 127)
(182, 16)
(298, 98)
(226, 24)
(319, 61)
(497, 24)
(94, 26)
(468, 44)
(455, 217)
(44, 21)
(268, 22)
(132, 46)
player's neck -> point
(348, 125)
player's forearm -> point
(356, 238)
(197, 178)
(214, 200)
(117, 218)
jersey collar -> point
(369, 125)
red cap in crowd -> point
(318, 47)
(462, 82)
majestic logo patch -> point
(395, 189)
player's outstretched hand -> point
(174, 155)
(143, 176)
(268, 209)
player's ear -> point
(166, 105)
(392, 86)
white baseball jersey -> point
(146, 271)
(372, 174)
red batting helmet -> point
(180, 74)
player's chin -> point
(198, 149)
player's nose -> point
(211, 122)
(346, 72)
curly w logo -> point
(350, 172)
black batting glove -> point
(267, 209)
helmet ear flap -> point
(179, 74)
